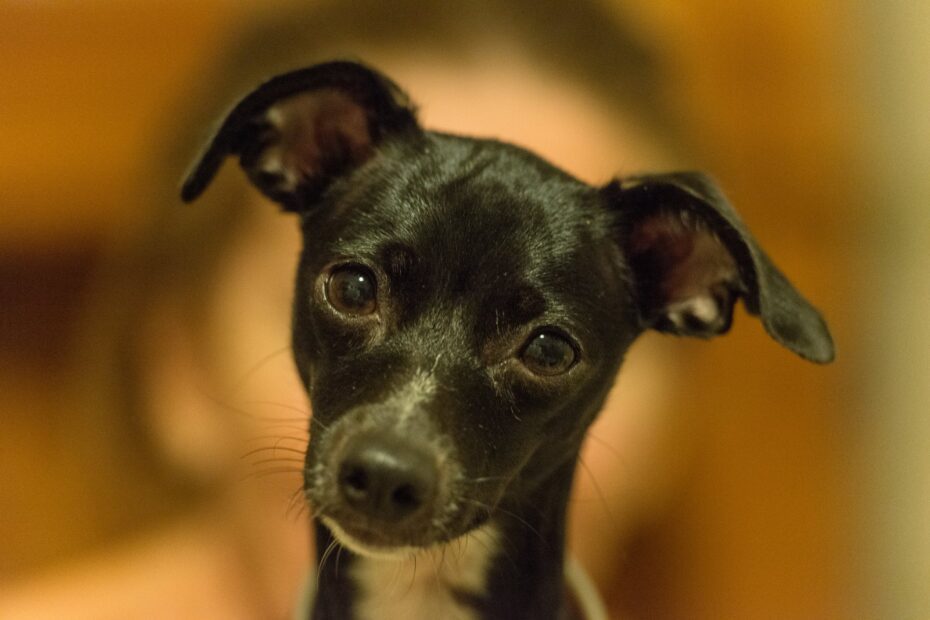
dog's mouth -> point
(371, 540)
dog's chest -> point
(432, 584)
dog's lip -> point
(376, 539)
(371, 536)
(368, 541)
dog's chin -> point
(369, 544)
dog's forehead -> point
(475, 205)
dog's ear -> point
(691, 257)
(298, 131)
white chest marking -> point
(422, 586)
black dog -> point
(462, 308)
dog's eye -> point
(352, 289)
(548, 353)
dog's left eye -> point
(548, 353)
(353, 290)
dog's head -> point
(462, 306)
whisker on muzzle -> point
(273, 449)
(271, 471)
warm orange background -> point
(769, 524)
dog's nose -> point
(387, 478)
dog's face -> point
(462, 306)
(461, 311)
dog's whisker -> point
(296, 507)
(299, 420)
(338, 556)
(437, 568)
(467, 540)
(314, 420)
(305, 413)
(252, 415)
(258, 366)
(294, 503)
(600, 494)
(333, 546)
(484, 479)
(413, 574)
(300, 432)
(277, 447)
(277, 459)
(510, 514)
(393, 582)
(461, 548)
(623, 459)
(316, 511)
(296, 421)
(329, 550)
(491, 549)
(272, 449)
(226, 405)
(285, 443)
(281, 432)
(302, 512)
(271, 471)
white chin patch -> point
(426, 584)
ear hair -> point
(692, 257)
(298, 131)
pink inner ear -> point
(682, 264)
(706, 265)
(313, 132)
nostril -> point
(355, 478)
(406, 496)
(354, 482)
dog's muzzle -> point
(380, 482)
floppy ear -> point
(691, 258)
(298, 131)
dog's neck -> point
(511, 568)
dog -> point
(461, 310)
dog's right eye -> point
(352, 290)
(548, 353)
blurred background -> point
(803, 492)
